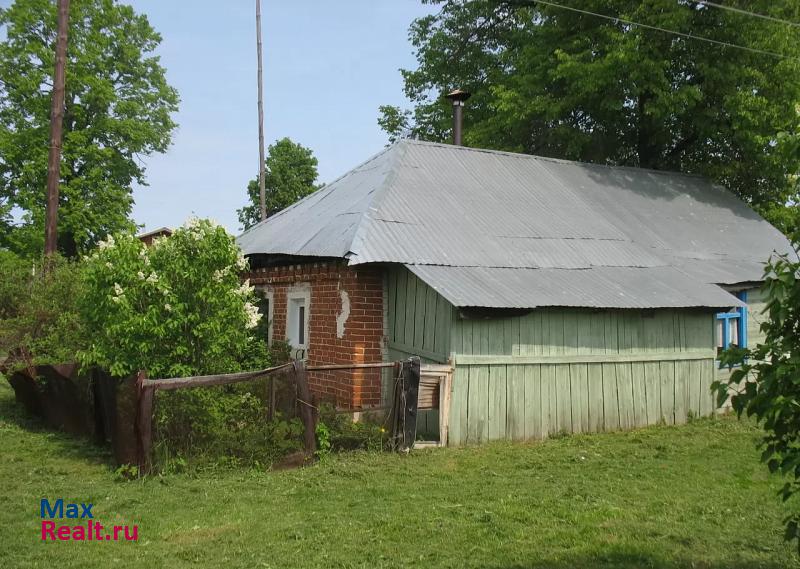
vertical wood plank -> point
(595, 389)
(459, 400)
(420, 306)
(610, 401)
(638, 382)
(579, 397)
(411, 303)
(516, 402)
(681, 392)
(652, 381)
(497, 402)
(478, 411)
(549, 412)
(391, 278)
(430, 317)
(563, 399)
(400, 305)
(667, 372)
(706, 378)
(533, 401)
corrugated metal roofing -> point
(598, 287)
(420, 203)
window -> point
(732, 326)
(298, 302)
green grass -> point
(692, 496)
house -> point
(568, 296)
(150, 236)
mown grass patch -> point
(663, 497)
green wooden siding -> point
(418, 320)
(418, 323)
(560, 370)
(554, 370)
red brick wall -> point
(363, 338)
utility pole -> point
(262, 197)
(56, 125)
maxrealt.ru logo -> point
(88, 530)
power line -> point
(746, 13)
(665, 30)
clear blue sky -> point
(327, 67)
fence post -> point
(306, 408)
(404, 406)
(144, 424)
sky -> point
(327, 67)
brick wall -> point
(358, 338)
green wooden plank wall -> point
(418, 319)
(561, 370)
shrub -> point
(174, 309)
(767, 383)
(39, 317)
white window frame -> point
(298, 293)
(269, 294)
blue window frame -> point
(732, 326)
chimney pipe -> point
(458, 97)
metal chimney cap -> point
(458, 95)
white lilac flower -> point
(252, 314)
(167, 307)
(241, 262)
(118, 291)
(109, 242)
(109, 265)
(152, 278)
(141, 275)
(116, 298)
(245, 289)
(219, 274)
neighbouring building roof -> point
(487, 228)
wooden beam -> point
(469, 359)
(351, 366)
(209, 380)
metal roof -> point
(597, 287)
(420, 203)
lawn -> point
(692, 496)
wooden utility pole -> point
(56, 124)
(262, 197)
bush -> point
(338, 432)
(174, 309)
(40, 321)
(221, 426)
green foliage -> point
(338, 432)
(221, 426)
(291, 174)
(174, 309)
(40, 321)
(554, 82)
(118, 109)
(766, 385)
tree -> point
(118, 109)
(765, 383)
(562, 83)
(291, 174)
(177, 308)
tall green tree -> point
(557, 82)
(291, 174)
(118, 110)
